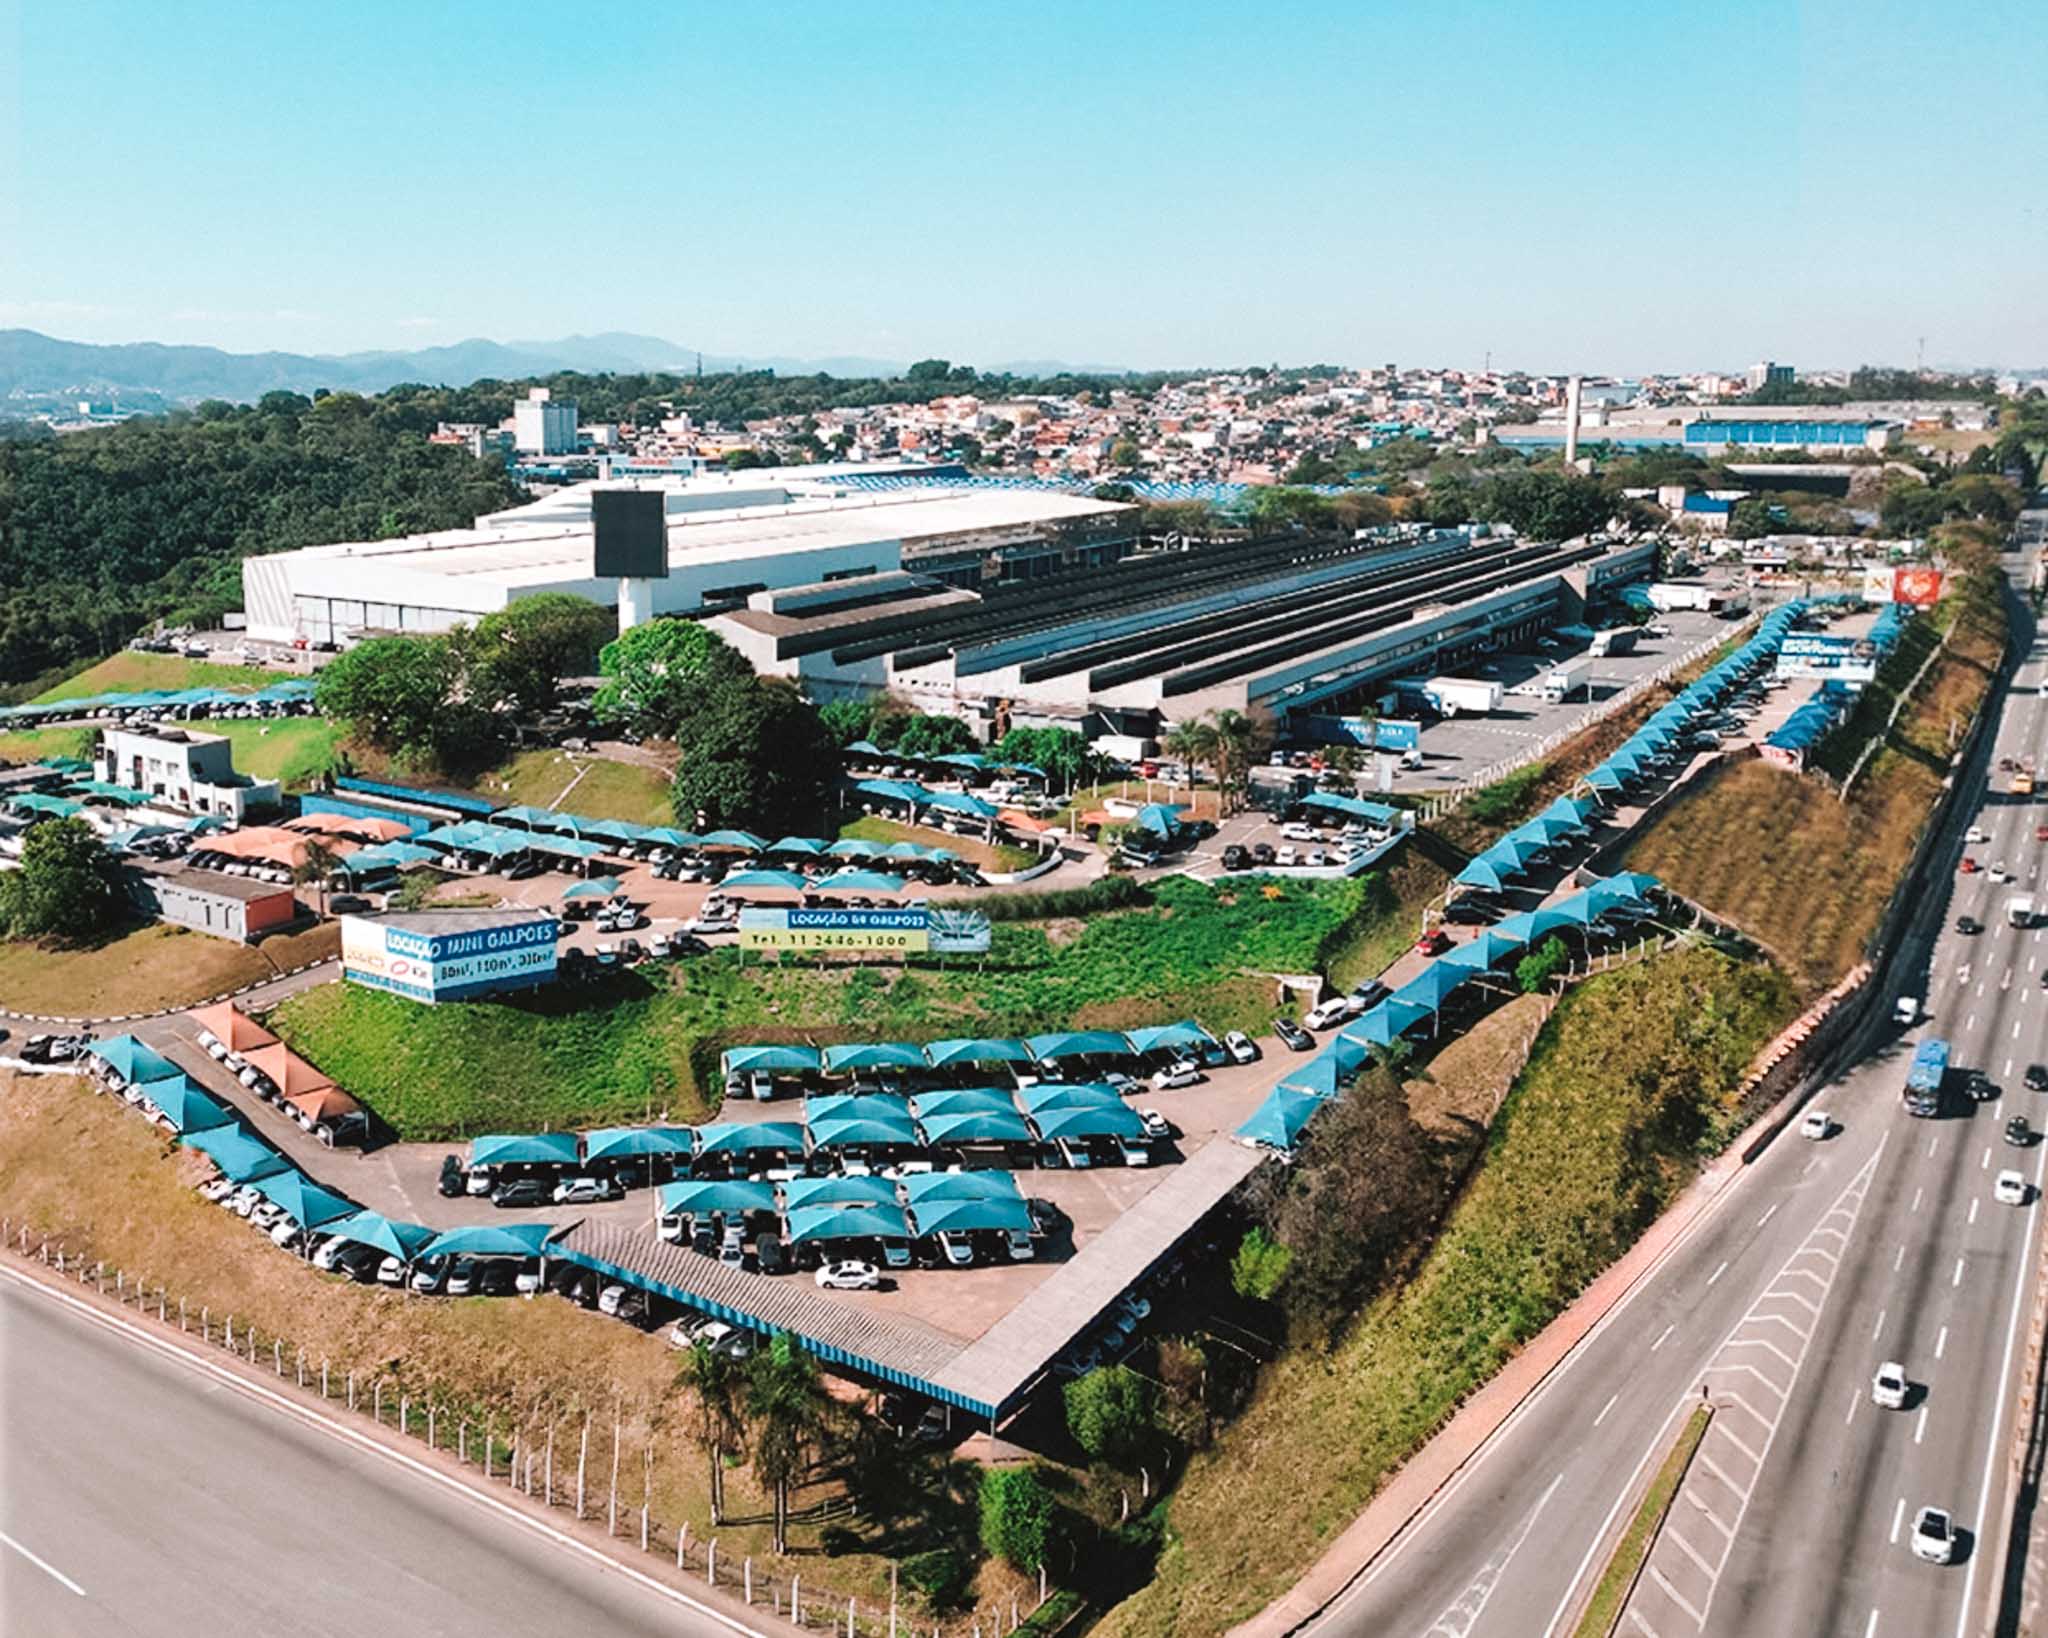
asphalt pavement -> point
(140, 1494)
(1809, 1268)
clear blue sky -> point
(1584, 185)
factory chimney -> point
(1571, 421)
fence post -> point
(404, 1414)
(203, 1320)
(351, 1390)
(796, 1600)
(682, 1541)
(299, 1364)
(548, 1470)
(582, 1459)
(430, 1424)
(711, 1562)
(120, 1284)
(462, 1443)
(377, 1400)
(611, 1525)
(99, 1278)
(747, 1580)
(487, 1447)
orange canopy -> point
(234, 1029)
(273, 844)
(288, 1072)
(360, 828)
(323, 1102)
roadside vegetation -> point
(146, 969)
(595, 787)
(1782, 856)
(645, 1043)
(1632, 1082)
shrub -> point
(1535, 969)
(1260, 1266)
(940, 1575)
(1016, 1516)
(1111, 1412)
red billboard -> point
(1917, 587)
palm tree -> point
(1192, 743)
(714, 1382)
(318, 864)
(1235, 737)
(788, 1407)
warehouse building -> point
(728, 536)
(1270, 627)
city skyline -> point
(1589, 189)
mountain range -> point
(33, 365)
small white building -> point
(181, 770)
(543, 424)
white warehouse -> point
(729, 536)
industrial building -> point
(181, 770)
(1271, 627)
(230, 907)
(729, 536)
(1708, 432)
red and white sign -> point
(1917, 586)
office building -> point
(543, 424)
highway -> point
(1808, 1269)
(141, 1495)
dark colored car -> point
(1294, 1035)
(2018, 1133)
(523, 1191)
(347, 904)
(1262, 853)
(2037, 1077)
(1980, 1087)
(1369, 994)
(1234, 857)
(1215, 1056)
(454, 1176)
(1969, 924)
(1470, 912)
(769, 1254)
(524, 866)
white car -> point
(1934, 1535)
(1998, 873)
(1132, 1152)
(1817, 1124)
(1241, 1047)
(1328, 1014)
(332, 1248)
(580, 1191)
(2010, 1189)
(1286, 856)
(1976, 833)
(1300, 833)
(1157, 1127)
(849, 1276)
(1888, 1388)
(1175, 1075)
(215, 1190)
(1124, 1084)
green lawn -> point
(606, 790)
(295, 751)
(131, 672)
(1631, 1083)
(33, 744)
(648, 1043)
(146, 969)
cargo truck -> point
(1621, 640)
(1472, 696)
(1666, 595)
(2023, 779)
(1925, 1076)
(2019, 910)
(1567, 679)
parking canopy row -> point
(296, 694)
(795, 1058)
(822, 1209)
(1279, 1121)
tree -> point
(68, 888)
(1534, 970)
(752, 752)
(1185, 1410)
(1545, 505)
(927, 735)
(654, 674)
(1193, 743)
(1059, 753)
(1260, 1266)
(517, 657)
(787, 1405)
(1112, 1414)
(846, 720)
(318, 864)
(715, 1383)
(1277, 507)
(1124, 454)
(399, 694)
(1235, 745)
(1016, 1516)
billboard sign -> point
(1877, 585)
(450, 966)
(909, 931)
(1387, 733)
(631, 530)
(1916, 585)
(1842, 659)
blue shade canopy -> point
(241, 1157)
(852, 847)
(862, 1132)
(1158, 817)
(744, 840)
(1078, 1044)
(669, 836)
(1346, 1053)
(851, 1105)
(1606, 777)
(760, 881)
(370, 1228)
(1580, 809)
(990, 1216)
(728, 1195)
(1487, 948)
(493, 1240)
(976, 1126)
(184, 1105)
(808, 847)
(961, 1100)
(1103, 1121)
(1481, 872)
(785, 1057)
(637, 1142)
(1320, 1077)
(976, 1050)
(1186, 1033)
(907, 791)
(597, 887)
(873, 1055)
(751, 1137)
(1051, 1095)
(131, 1060)
(1281, 1119)
(1375, 813)
(800, 1192)
(963, 759)
(525, 1149)
(960, 802)
(1384, 1024)
(858, 881)
(304, 1201)
(1429, 987)
(865, 747)
(1531, 925)
(847, 1223)
(922, 1188)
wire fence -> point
(577, 1465)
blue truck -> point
(1924, 1078)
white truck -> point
(2019, 910)
(1455, 696)
(1666, 595)
(1619, 640)
(1561, 682)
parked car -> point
(848, 1276)
(771, 1256)
(1818, 1123)
(1235, 857)
(464, 1275)
(523, 1191)
(454, 1179)
(1157, 1127)
(1293, 1034)
(1175, 1075)
(1433, 943)
(1328, 1014)
(1241, 1047)
(580, 1191)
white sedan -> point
(2010, 1189)
(1241, 1047)
(1175, 1075)
(1817, 1124)
(1888, 1388)
(849, 1276)
(1300, 833)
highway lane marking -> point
(1933, 1143)
(1916, 1201)
(1763, 1319)
(1604, 1409)
(1649, 1630)
(1809, 1166)
(1855, 1399)
(1899, 1261)
(1675, 1596)
(342, 1433)
(1447, 1624)
(1973, 1210)
(1920, 1425)
(1957, 1279)
(1690, 1551)
(1870, 1626)
(1723, 1269)
(1767, 1216)
(1898, 1518)
(1879, 1326)
(1941, 1342)
(42, 1564)
(1661, 1336)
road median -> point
(1610, 1594)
